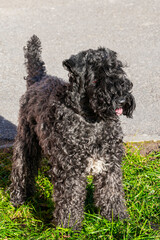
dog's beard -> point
(130, 106)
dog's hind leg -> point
(26, 156)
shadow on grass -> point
(5, 167)
(89, 203)
(42, 209)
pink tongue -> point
(119, 111)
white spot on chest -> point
(95, 165)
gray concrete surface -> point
(65, 27)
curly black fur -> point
(77, 126)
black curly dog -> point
(77, 126)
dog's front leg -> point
(109, 194)
(69, 196)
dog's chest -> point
(90, 140)
(83, 133)
(82, 141)
(96, 164)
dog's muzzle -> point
(120, 103)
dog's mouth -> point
(119, 111)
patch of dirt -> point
(146, 148)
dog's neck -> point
(79, 103)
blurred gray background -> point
(129, 27)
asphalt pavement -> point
(129, 27)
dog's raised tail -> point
(35, 66)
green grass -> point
(141, 180)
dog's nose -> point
(121, 100)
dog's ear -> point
(69, 64)
(76, 64)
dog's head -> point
(98, 80)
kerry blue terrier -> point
(76, 124)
